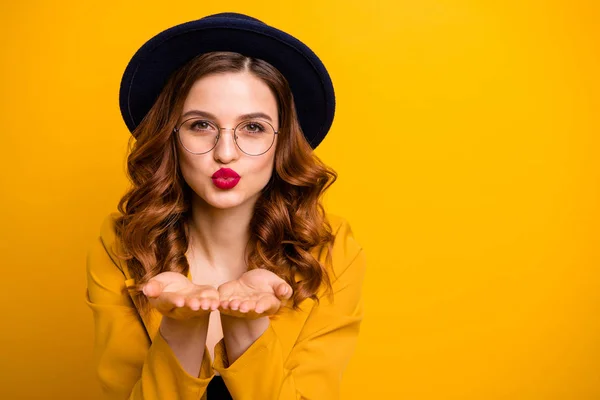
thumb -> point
(283, 291)
(153, 288)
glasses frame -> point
(177, 131)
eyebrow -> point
(206, 114)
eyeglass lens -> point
(253, 137)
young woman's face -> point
(227, 97)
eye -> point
(253, 127)
(201, 125)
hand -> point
(175, 296)
(257, 293)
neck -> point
(218, 237)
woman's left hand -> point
(257, 293)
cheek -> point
(193, 169)
(263, 170)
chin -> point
(222, 199)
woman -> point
(222, 276)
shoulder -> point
(105, 245)
(107, 228)
(347, 254)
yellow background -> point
(466, 139)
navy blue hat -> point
(150, 67)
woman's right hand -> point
(176, 297)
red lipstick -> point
(225, 178)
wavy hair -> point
(289, 220)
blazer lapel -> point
(152, 320)
(107, 235)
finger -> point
(264, 304)
(193, 303)
(234, 304)
(247, 305)
(284, 291)
(214, 305)
(205, 304)
(153, 288)
(224, 304)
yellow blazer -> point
(301, 355)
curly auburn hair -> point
(288, 221)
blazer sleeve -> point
(127, 364)
(314, 366)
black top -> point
(217, 390)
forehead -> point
(227, 95)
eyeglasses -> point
(199, 136)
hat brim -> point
(152, 65)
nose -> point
(226, 150)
